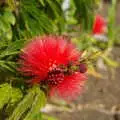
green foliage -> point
(34, 20)
(39, 102)
(6, 24)
(23, 106)
(31, 103)
(86, 42)
(111, 23)
(84, 12)
(46, 117)
(117, 36)
(36, 17)
(110, 62)
(9, 95)
(8, 54)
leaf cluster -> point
(84, 12)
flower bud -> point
(82, 68)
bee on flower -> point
(53, 61)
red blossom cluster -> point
(99, 25)
(54, 61)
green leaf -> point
(30, 105)
(34, 20)
(11, 17)
(5, 29)
(38, 103)
(42, 2)
(111, 23)
(16, 95)
(85, 12)
(11, 4)
(54, 7)
(8, 65)
(4, 94)
(110, 62)
(47, 117)
(8, 94)
(23, 106)
(13, 48)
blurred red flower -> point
(42, 59)
(99, 25)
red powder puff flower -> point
(45, 60)
(99, 25)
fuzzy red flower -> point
(44, 60)
(99, 25)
